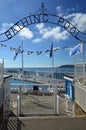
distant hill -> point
(66, 66)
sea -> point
(64, 68)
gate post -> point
(57, 101)
(19, 104)
(58, 104)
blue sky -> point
(39, 37)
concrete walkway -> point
(45, 123)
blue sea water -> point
(48, 69)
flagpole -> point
(83, 52)
(55, 90)
(52, 61)
(22, 59)
(53, 78)
(21, 86)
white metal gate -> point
(39, 102)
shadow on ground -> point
(11, 123)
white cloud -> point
(58, 8)
(54, 33)
(70, 16)
(80, 21)
(5, 26)
(56, 48)
(77, 19)
(40, 26)
(37, 40)
(45, 30)
(26, 33)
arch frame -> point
(42, 17)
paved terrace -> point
(44, 123)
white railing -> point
(28, 88)
(80, 95)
